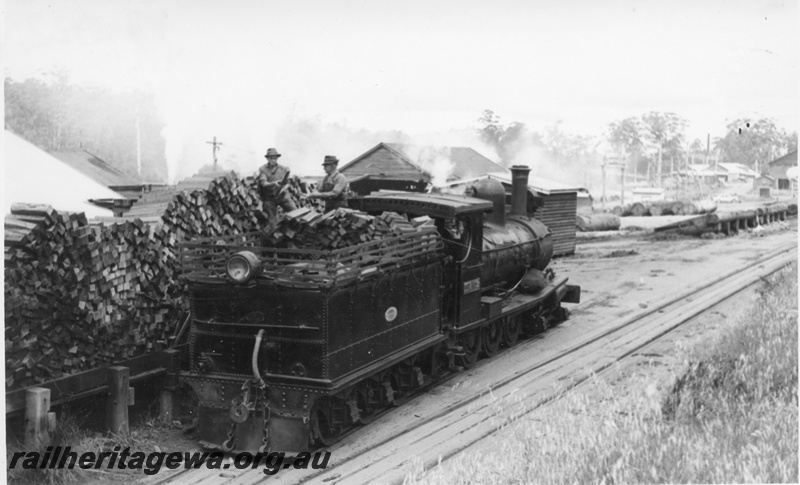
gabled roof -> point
(34, 176)
(704, 171)
(786, 160)
(738, 168)
(538, 184)
(397, 160)
(95, 168)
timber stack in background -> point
(80, 294)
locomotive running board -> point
(557, 290)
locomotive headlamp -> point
(243, 266)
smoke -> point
(173, 138)
(575, 168)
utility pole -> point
(603, 197)
(138, 149)
(214, 149)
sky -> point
(238, 69)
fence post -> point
(117, 406)
(171, 382)
(39, 421)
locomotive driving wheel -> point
(372, 397)
(326, 422)
(471, 343)
(511, 329)
(492, 334)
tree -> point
(664, 132)
(59, 115)
(504, 139)
(753, 143)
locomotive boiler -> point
(291, 347)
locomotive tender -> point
(341, 335)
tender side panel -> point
(372, 320)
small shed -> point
(763, 181)
(558, 210)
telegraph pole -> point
(214, 149)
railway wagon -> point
(290, 348)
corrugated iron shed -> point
(559, 212)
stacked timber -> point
(308, 229)
(81, 294)
(598, 222)
(638, 209)
(665, 208)
(656, 209)
(691, 208)
(622, 210)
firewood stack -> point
(81, 294)
(308, 229)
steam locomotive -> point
(292, 347)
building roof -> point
(154, 203)
(704, 171)
(538, 184)
(412, 162)
(95, 168)
(738, 168)
(786, 160)
(34, 176)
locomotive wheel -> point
(511, 329)
(492, 334)
(372, 399)
(471, 343)
(324, 429)
(405, 378)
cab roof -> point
(434, 205)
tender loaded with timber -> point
(291, 347)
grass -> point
(75, 429)
(731, 417)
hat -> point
(330, 160)
(271, 152)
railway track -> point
(472, 415)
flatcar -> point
(292, 347)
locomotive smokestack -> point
(519, 190)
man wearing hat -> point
(272, 183)
(333, 188)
